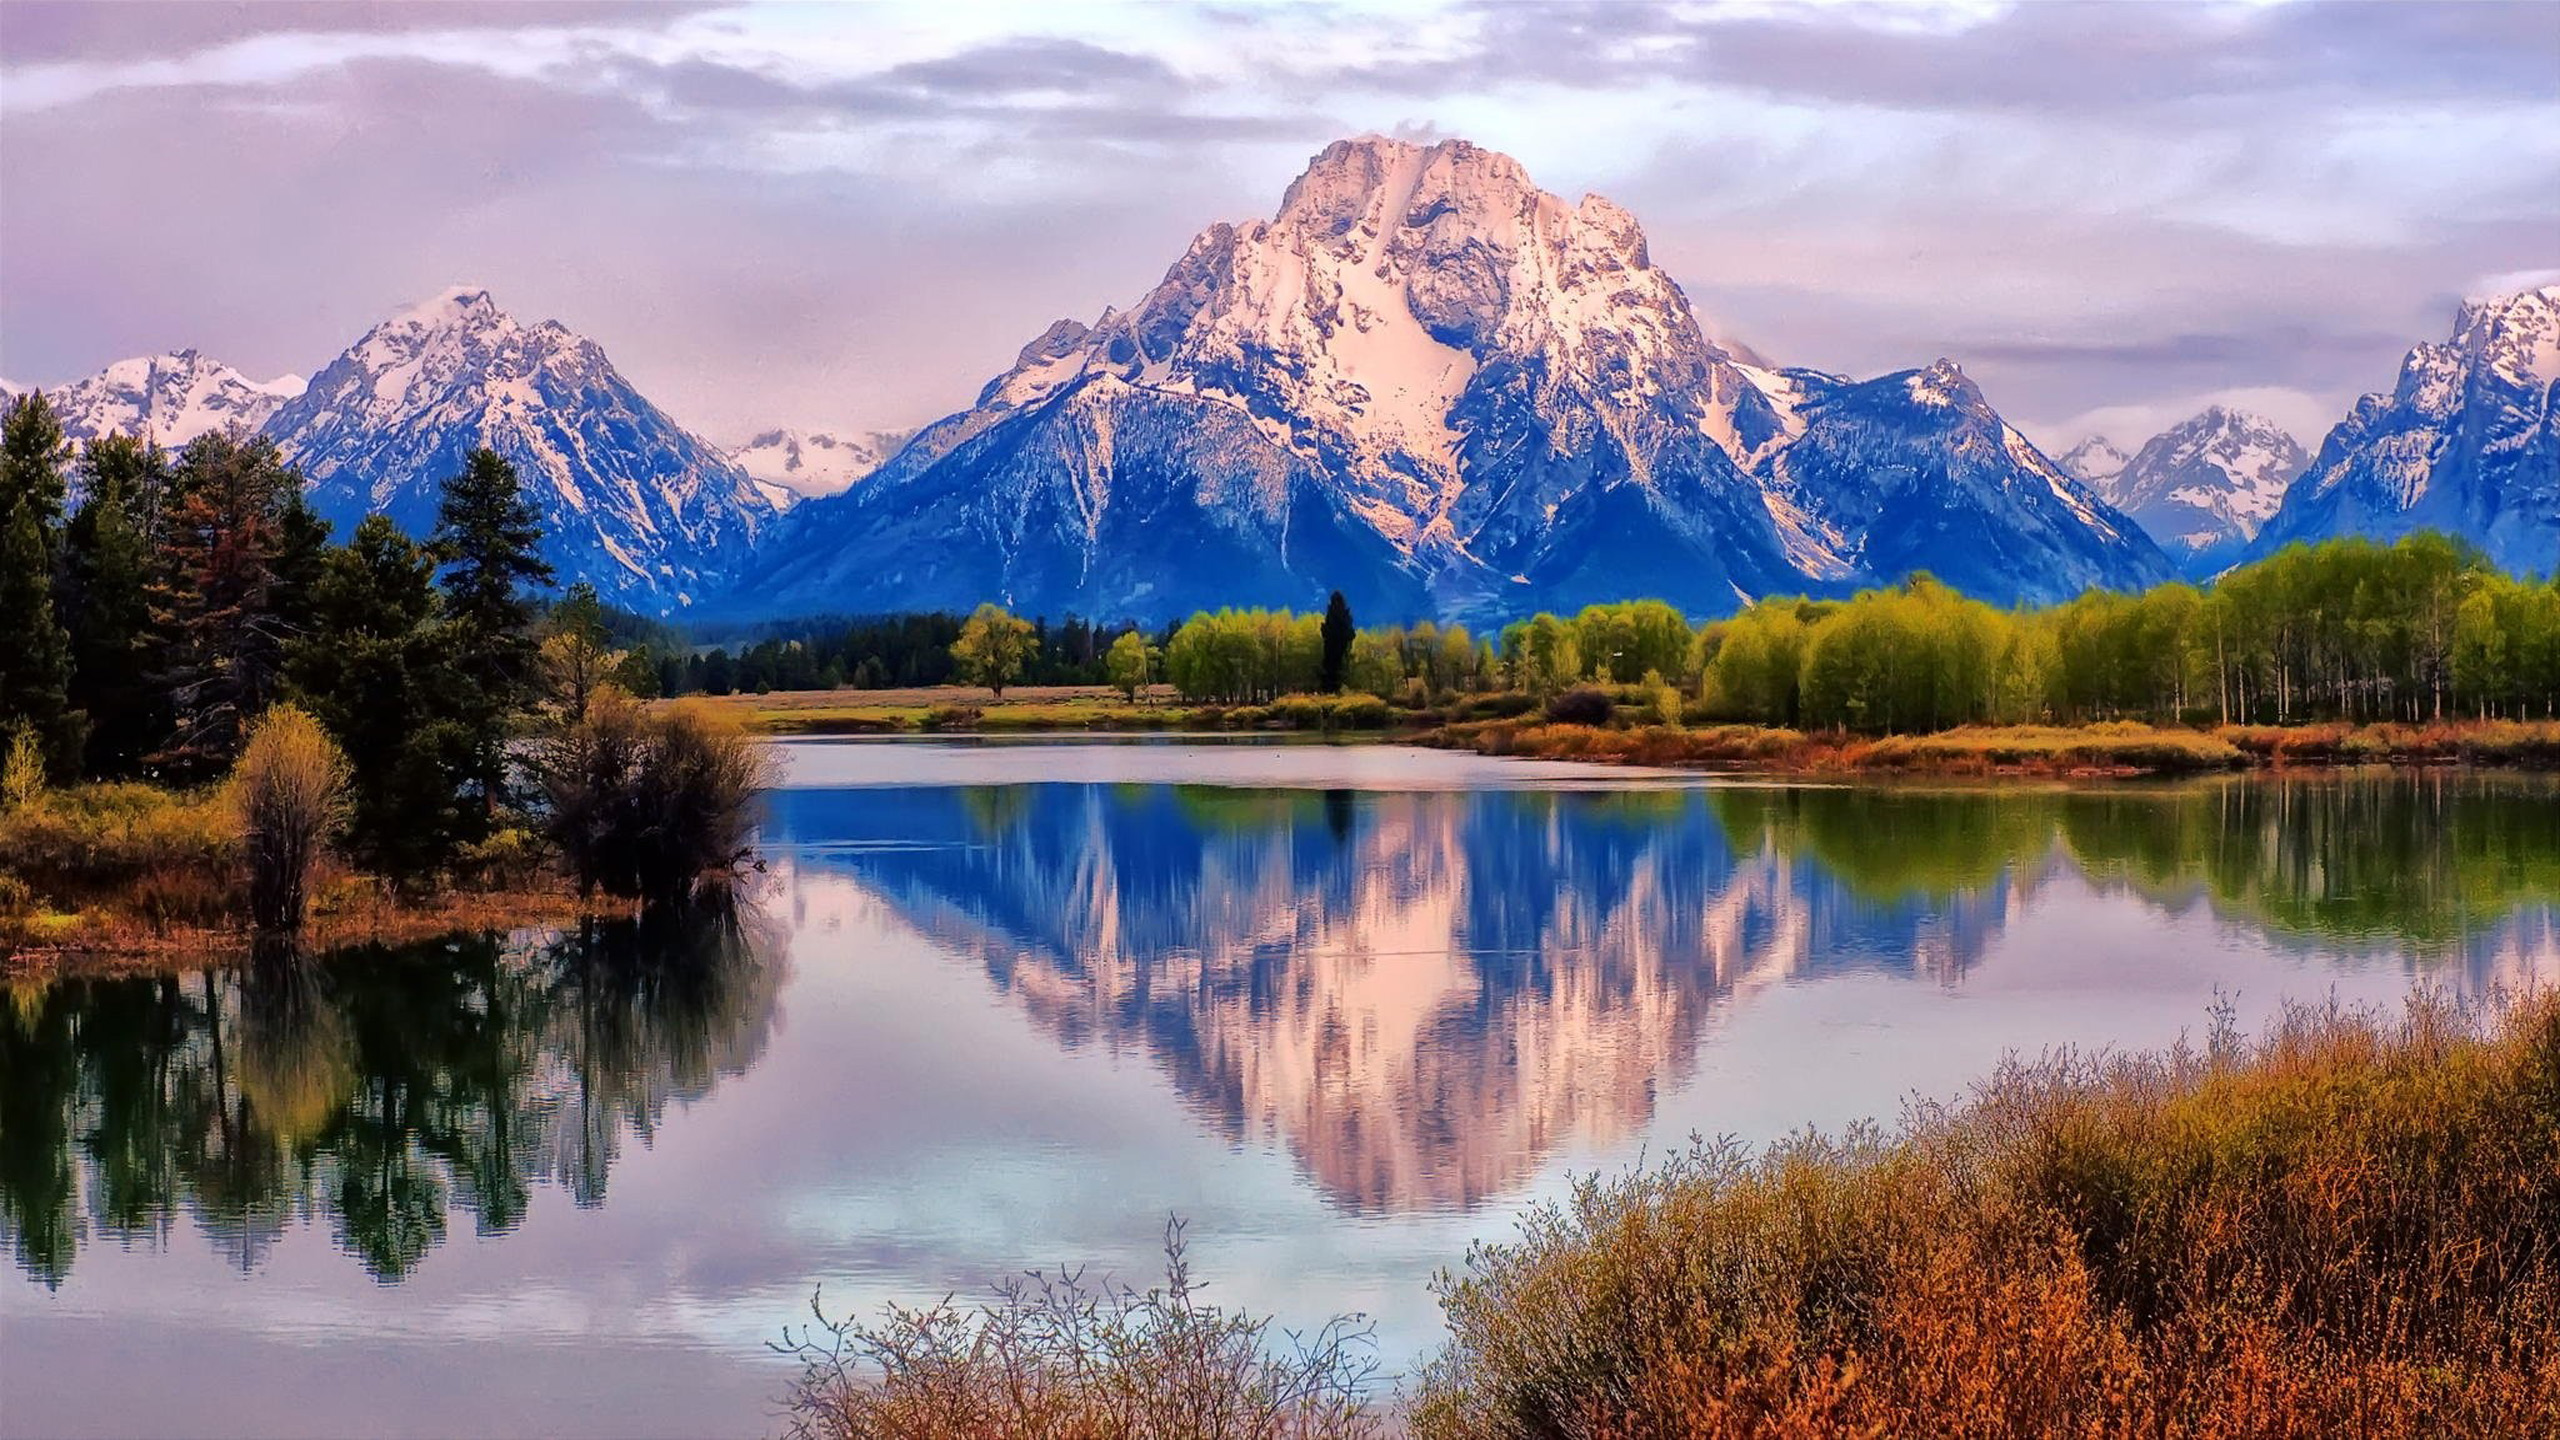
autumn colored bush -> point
(2349, 1226)
(290, 789)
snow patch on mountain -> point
(2097, 461)
(790, 466)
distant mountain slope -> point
(2095, 460)
(649, 513)
(1430, 384)
(2204, 488)
(2467, 442)
(171, 398)
(790, 466)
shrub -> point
(1582, 705)
(291, 789)
(1052, 1357)
(647, 803)
(21, 768)
(89, 840)
(2352, 1226)
(952, 717)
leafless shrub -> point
(1052, 1356)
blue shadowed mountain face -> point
(2468, 442)
(649, 513)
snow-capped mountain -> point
(790, 466)
(1436, 387)
(649, 513)
(2468, 442)
(2204, 488)
(2096, 460)
(171, 399)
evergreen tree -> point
(486, 537)
(214, 593)
(35, 660)
(376, 668)
(107, 582)
(33, 456)
(35, 651)
(1337, 633)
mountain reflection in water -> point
(381, 1092)
(1423, 994)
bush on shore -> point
(1051, 1356)
(290, 787)
(647, 802)
(2350, 1227)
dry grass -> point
(2350, 1227)
(2529, 743)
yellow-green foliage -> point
(2351, 1226)
(86, 840)
(290, 790)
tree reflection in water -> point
(380, 1091)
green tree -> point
(35, 651)
(1131, 663)
(35, 661)
(376, 669)
(213, 595)
(1337, 633)
(487, 538)
(994, 647)
(107, 577)
(34, 456)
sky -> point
(841, 217)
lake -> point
(1006, 1005)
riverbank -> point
(1507, 723)
(2028, 750)
(129, 878)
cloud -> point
(45, 32)
(2044, 57)
(848, 217)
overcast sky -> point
(836, 217)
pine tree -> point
(35, 663)
(33, 456)
(35, 652)
(486, 538)
(375, 666)
(214, 595)
(1337, 633)
(107, 581)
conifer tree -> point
(35, 652)
(214, 595)
(1337, 632)
(486, 539)
(107, 582)
(375, 666)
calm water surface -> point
(1006, 1005)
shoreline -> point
(97, 942)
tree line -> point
(429, 705)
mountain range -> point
(2202, 488)
(1432, 385)
(1423, 381)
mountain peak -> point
(629, 499)
(172, 397)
